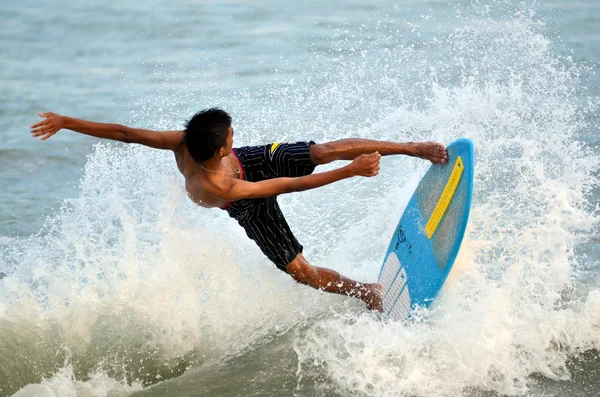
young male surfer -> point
(246, 181)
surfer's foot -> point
(432, 151)
(373, 297)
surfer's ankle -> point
(373, 297)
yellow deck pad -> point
(446, 197)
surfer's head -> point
(208, 133)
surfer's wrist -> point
(348, 171)
(67, 122)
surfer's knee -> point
(321, 153)
(301, 270)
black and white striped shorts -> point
(262, 218)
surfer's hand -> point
(366, 165)
(51, 124)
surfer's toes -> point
(438, 153)
(442, 155)
(433, 151)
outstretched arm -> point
(365, 165)
(53, 123)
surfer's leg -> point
(331, 281)
(349, 149)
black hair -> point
(206, 132)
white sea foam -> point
(5, 240)
(508, 310)
(64, 384)
(132, 283)
(132, 279)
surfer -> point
(246, 181)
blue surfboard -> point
(429, 234)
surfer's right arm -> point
(52, 123)
(365, 165)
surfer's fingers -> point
(39, 128)
(38, 133)
(43, 131)
(48, 135)
(41, 123)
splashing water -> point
(129, 282)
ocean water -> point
(114, 284)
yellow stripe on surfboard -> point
(446, 197)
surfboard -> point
(426, 241)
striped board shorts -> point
(262, 218)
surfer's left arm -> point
(53, 123)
